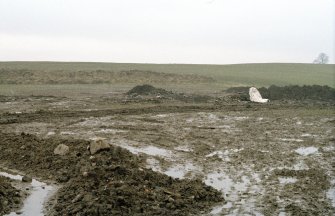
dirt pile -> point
(159, 93)
(110, 182)
(294, 92)
(148, 90)
(10, 197)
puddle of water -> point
(183, 148)
(287, 180)
(223, 155)
(224, 126)
(217, 210)
(67, 133)
(331, 193)
(50, 133)
(300, 166)
(161, 116)
(213, 117)
(329, 148)
(331, 196)
(307, 135)
(220, 181)
(149, 150)
(110, 131)
(291, 140)
(40, 192)
(238, 118)
(306, 150)
(153, 164)
(179, 171)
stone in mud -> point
(27, 179)
(98, 145)
(61, 149)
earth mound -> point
(111, 182)
(148, 90)
(10, 197)
(293, 92)
(159, 93)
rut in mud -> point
(110, 182)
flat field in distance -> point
(178, 77)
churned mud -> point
(36, 193)
(10, 197)
(173, 157)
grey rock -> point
(98, 145)
(61, 149)
(27, 179)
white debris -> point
(255, 96)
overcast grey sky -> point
(167, 31)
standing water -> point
(40, 192)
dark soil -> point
(294, 92)
(10, 197)
(110, 182)
(148, 90)
(159, 93)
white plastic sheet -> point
(255, 96)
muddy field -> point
(171, 156)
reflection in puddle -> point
(220, 181)
(238, 194)
(40, 192)
(149, 150)
(180, 170)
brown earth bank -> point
(10, 197)
(292, 92)
(109, 182)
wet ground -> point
(271, 159)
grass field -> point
(222, 76)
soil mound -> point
(111, 182)
(294, 92)
(9, 196)
(148, 90)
